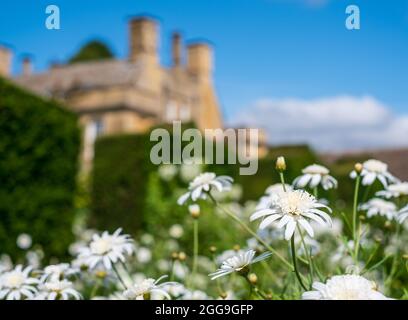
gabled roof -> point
(86, 75)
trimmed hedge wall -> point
(120, 175)
(39, 149)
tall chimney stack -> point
(177, 49)
(27, 66)
(6, 57)
(200, 61)
(143, 40)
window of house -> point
(171, 112)
(185, 113)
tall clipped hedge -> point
(120, 174)
(39, 146)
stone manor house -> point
(130, 96)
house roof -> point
(84, 75)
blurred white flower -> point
(143, 255)
(380, 207)
(167, 171)
(314, 175)
(239, 263)
(58, 272)
(395, 190)
(372, 170)
(107, 249)
(147, 239)
(273, 193)
(403, 214)
(195, 295)
(189, 171)
(335, 230)
(24, 241)
(34, 258)
(344, 287)
(58, 290)
(17, 284)
(202, 184)
(175, 290)
(291, 209)
(5, 263)
(144, 289)
(180, 270)
(176, 231)
(163, 265)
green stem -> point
(293, 249)
(282, 179)
(249, 230)
(355, 207)
(316, 192)
(95, 288)
(119, 277)
(394, 264)
(309, 258)
(172, 271)
(195, 248)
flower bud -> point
(223, 295)
(174, 255)
(281, 164)
(194, 210)
(358, 167)
(213, 249)
(253, 279)
(182, 256)
(101, 274)
(236, 247)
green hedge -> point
(39, 148)
(128, 193)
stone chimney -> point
(143, 40)
(177, 49)
(6, 57)
(27, 66)
(200, 61)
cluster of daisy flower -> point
(296, 245)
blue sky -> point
(264, 49)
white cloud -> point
(333, 123)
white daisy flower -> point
(106, 249)
(372, 170)
(17, 284)
(380, 207)
(314, 175)
(239, 263)
(143, 290)
(344, 287)
(403, 214)
(203, 184)
(58, 272)
(272, 195)
(395, 190)
(294, 208)
(58, 290)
